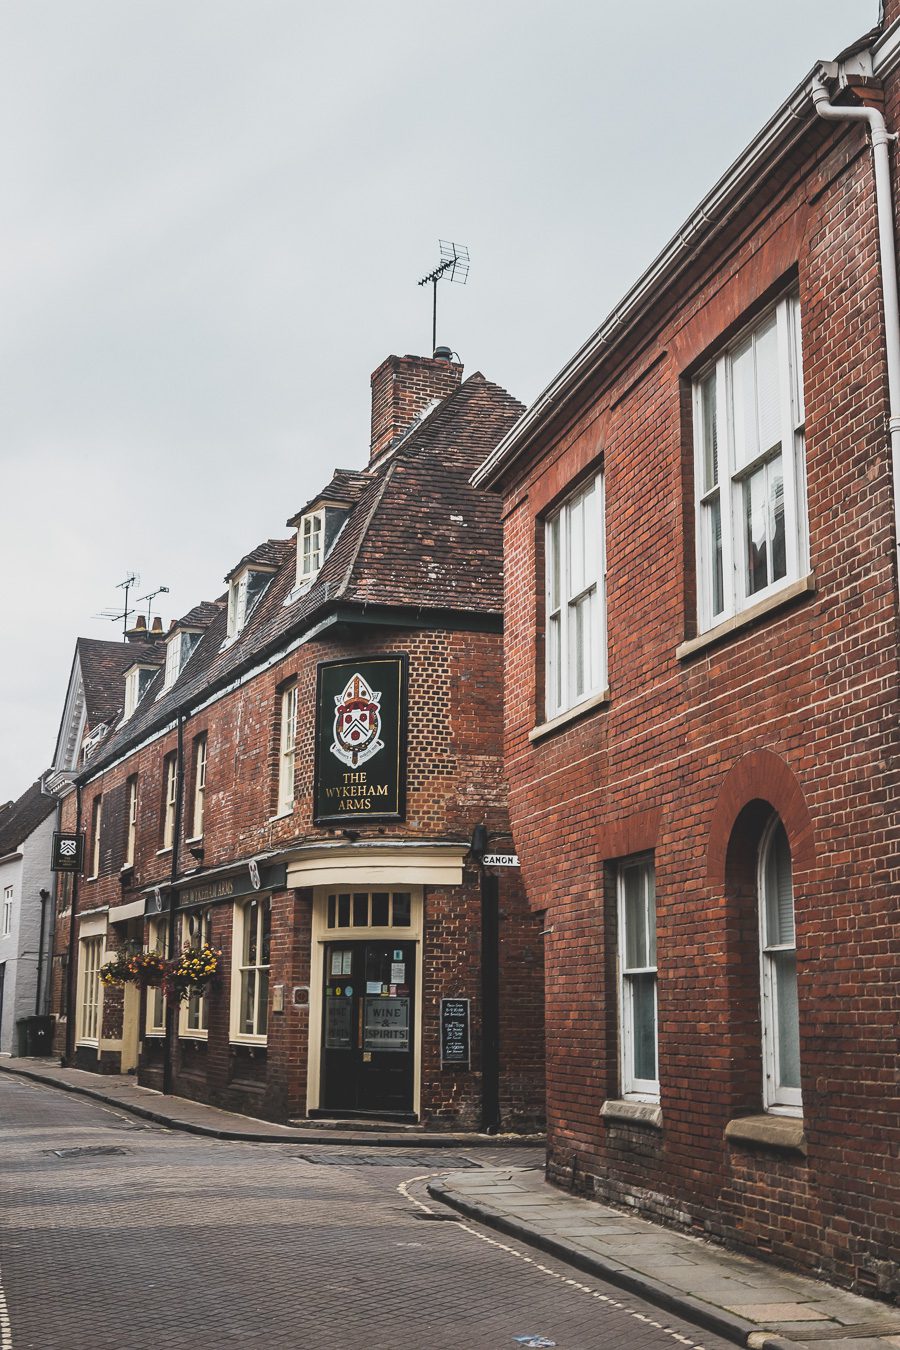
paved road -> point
(169, 1241)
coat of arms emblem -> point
(357, 723)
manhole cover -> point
(99, 1151)
(432, 1162)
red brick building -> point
(702, 708)
(295, 778)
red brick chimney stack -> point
(402, 387)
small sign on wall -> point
(455, 1033)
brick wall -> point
(797, 714)
(454, 781)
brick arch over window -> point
(760, 776)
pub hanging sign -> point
(361, 740)
(68, 852)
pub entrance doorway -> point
(369, 1027)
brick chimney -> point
(402, 387)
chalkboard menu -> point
(455, 1032)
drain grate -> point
(98, 1151)
(432, 1162)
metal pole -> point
(44, 897)
(70, 969)
(434, 320)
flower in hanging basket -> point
(193, 971)
(117, 972)
(149, 968)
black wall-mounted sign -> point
(68, 853)
(361, 740)
(455, 1032)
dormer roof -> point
(266, 557)
(344, 490)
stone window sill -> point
(647, 1114)
(570, 715)
(805, 586)
(784, 1134)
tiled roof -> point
(419, 536)
(103, 667)
(269, 554)
(347, 485)
(21, 818)
(201, 616)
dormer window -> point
(136, 681)
(179, 648)
(243, 593)
(310, 539)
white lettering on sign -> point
(501, 860)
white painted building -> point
(26, 890)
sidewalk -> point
(744, 1300)
(180, 1113)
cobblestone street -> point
(148, 1238)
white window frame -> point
(170, 791)
(778, 1098)
(572, 583)
(90, 1001)
(132, 820)
(7, 910)
(310, 546)
(633, 1087)
(96, 829)
(245, 970)
(238, 609)
(201, 747)
(136, 682)
(287, 740)
(724, 490)
(193, 1014)
(155, 1009)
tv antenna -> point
(160, 590)
(116, 616)
(455, 262)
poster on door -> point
(360, 768)
(386, 1024)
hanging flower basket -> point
(192, 972)
(119, 971)
(150, 969)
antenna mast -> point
(114, 615)
(455, 260)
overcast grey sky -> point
(214, 215)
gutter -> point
(772, 144)
(887, 248)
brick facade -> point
(695, 746)
(454, 781)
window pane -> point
(553, 562)
(250, 934)
(743, 404)
(360, 911)
(713, 516)
(343, 911)
(591, 538)
(380, 917)
(709, 432)
(579, 645)
(575, 521)
(755, 521)
(767, 386)
(635, 919)
(779, 891)
(248, 1001)
(331, 904)
(400, 916)
(263, 1003)
(554, 663)
(785, 973)
(643, 1024)
(266, 923)
(776, 518)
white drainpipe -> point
(881, 139)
